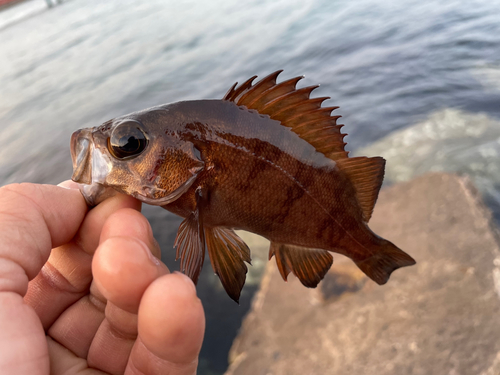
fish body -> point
(267, 159)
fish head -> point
(136, 155)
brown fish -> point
(267, 159)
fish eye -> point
(127, 140)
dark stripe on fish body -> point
(246, 181)
(324, 229)
(257, 168)
(292, 195)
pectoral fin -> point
(190, 244)
(309, 265)
(190, 240)
(228, 254)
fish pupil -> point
(127, 140)
(132, 144)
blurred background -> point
(417, 82)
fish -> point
(266, 158)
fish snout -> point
(81, 155)
(90, 168)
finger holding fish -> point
(127, 259)
(139, 288)
(69, 304)
(123, 267)
(66, 276)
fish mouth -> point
(90, 168)
(96, 193)
(82, 146)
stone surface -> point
(441, 316)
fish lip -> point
(96, 193)
(81, 155)
(90, 168)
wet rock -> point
(438, 317)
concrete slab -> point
(441, 316)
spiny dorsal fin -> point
(228, 254)
(295, 109)
(366, 175)
(309, 265)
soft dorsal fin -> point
(366, 175)
(295, 109)
(309, 265)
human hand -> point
(99, 300)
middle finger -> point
(123, 268)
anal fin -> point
(366, 175)
(228, 254)
(309, 265)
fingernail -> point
(68, 184)
(150, 255)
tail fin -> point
(380, 266)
